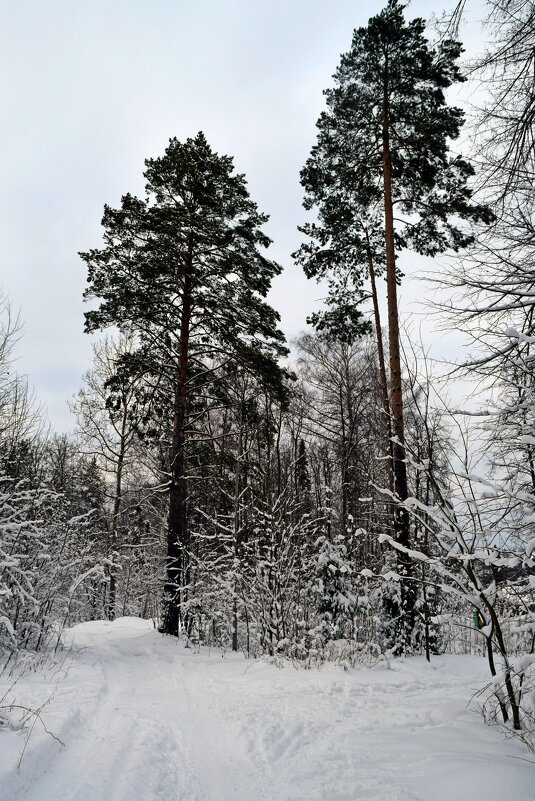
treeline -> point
(326, 505)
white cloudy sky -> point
(90, 89)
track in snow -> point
(144, 719)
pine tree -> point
(182, 269)
(382, 179)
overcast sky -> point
(91, 89)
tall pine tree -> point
(183, 271)
(382, 179)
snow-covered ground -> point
(144, 719)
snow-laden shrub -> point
(49, 576)
(479, 557)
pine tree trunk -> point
(382, 369)
(176, 586)
(399, 467)
(237, 526)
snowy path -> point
(144, 719)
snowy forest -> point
(341, 501)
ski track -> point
(144, 719)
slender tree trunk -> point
(382, 369)
(117, 503)
(344, 466)
(497, 631)
(401, 515)
(176, 586)
(425, 597)
(117, 508)
(237, 527)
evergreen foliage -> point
(183, 271)
(383, 179)
(390, 78)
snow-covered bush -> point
(476, 563)
(49, 573)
